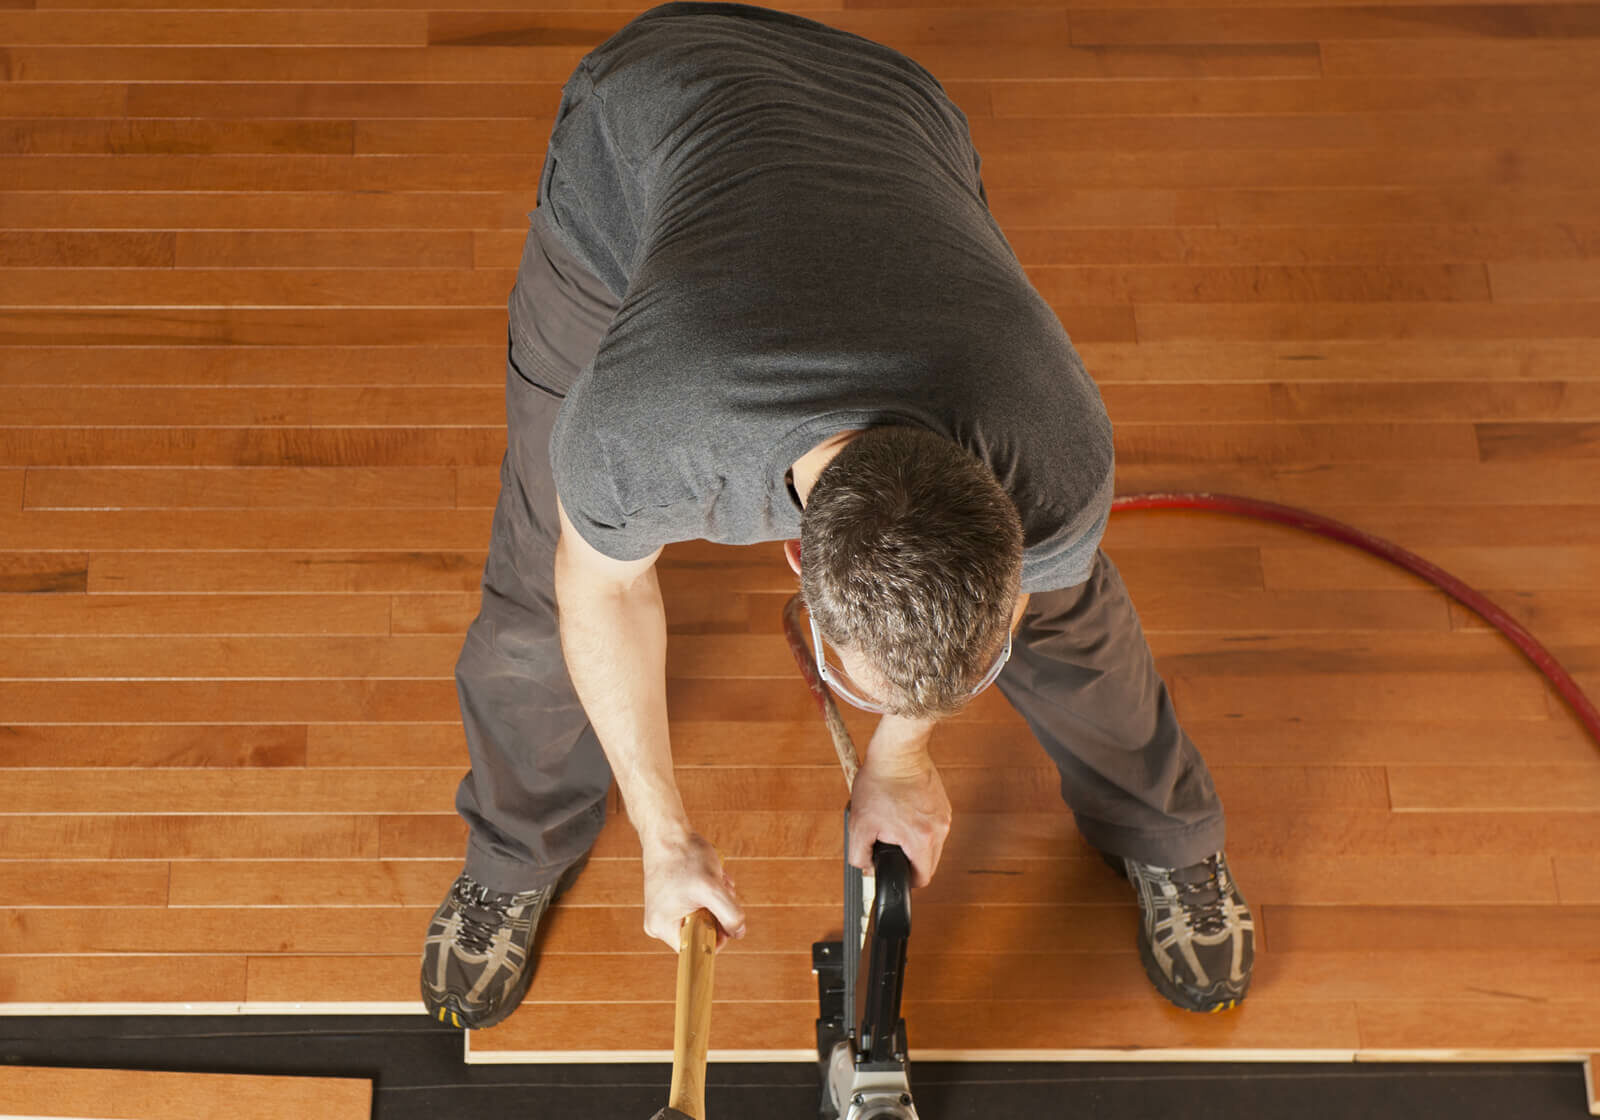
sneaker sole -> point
(447, 1008)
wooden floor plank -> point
(1332, 24)
(193, 614)
(1567, 1026)
(1520, 787)
(141, 1095)
(32, 100)
(206, 658)
(264, 487)
(103, 366)
(1488, 94)
(275, 287)
(1518, 280)
(40, 884)
(380, 99)
(1459, 58)
(133, 836)
(250, 445)
(145, 137)
(71, 248)
(192, 978)
(503, 207)
(328, 28)
(169, 745)
(302, 249)
(1409, 927)
(334, 701)
(1577, 877)
(1560, 569)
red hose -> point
(1476, 601)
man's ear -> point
(791, 552)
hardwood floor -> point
(1344, 256)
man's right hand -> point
(681, 875)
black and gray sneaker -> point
(477, 960)
(1196, 936)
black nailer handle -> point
(882, 976)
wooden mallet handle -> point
(692, 1024)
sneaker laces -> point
(483, 915)
(1203, 892)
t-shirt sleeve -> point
(1066, 558)
(586, 483)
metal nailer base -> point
(853, 1090)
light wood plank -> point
(1546, 569)
(1459, 58)
(132, 836)
(247, 326)
(124, 978)
(1514, 786)
(201, 658)
(62, 248)
(1550, 480)
(38, 573)
(1577, 877)
(1408, 928)
(1415, 696)
(102, 366)
(303, 249)
(255, 488)
(335, 701)
(1530, 442)
(193, 614)
(1356, 360)
(140, 1095)
(173, 745)
(12, 487)
(244, 209)
(1489, 94)
(246, 446)
(330, 28)
(381, 99)
(1354, 320)
(27, 100)
(299, 572)
(267, 287)
(1523, 280)
(39, 884)
(1325, 24)
(1482, 1025)
(145, 137)
(1558, 616)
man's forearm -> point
(615, 642)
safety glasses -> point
(845, 689)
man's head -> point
(912, 562)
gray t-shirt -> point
(792, 219)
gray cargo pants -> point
(1081, 673)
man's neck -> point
(803, 473)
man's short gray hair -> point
(911, 556)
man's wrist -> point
(900, 743)
(663, 830)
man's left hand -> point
(899, 798)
